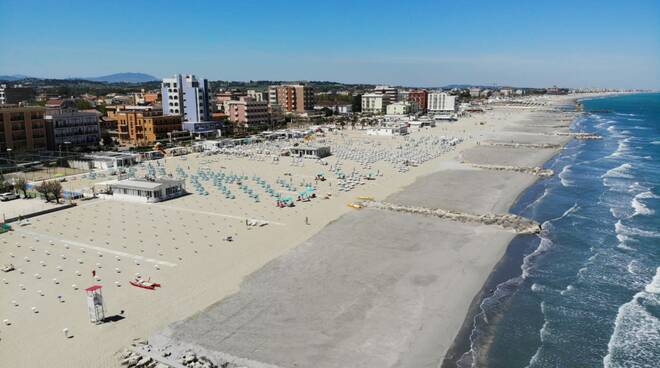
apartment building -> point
(390, 94)
(67, 126)
(257, 95)
(374, 103)
(419, 97)
(247, 112)
(23, 128)
(441, 102)
(293, 98)
(15, 94)
(399, 108)
(186, 96)
(139, 128)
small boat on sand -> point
(144, 284)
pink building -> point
(247, 112)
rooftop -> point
(145, 184)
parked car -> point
(8, 196)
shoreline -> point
(507, 268)
(182, 332)
(372, 265)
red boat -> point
(144, 284)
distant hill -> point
(13, 77)
(124, 78)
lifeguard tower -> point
(95, 304)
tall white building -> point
(441, 102)
(373, 103)
(186, 96)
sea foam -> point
(636, 336)
(640, 207)
(563, 174)
(621, 171)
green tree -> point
(82, 104)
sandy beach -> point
(321, 285)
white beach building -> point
(104, 160)
(388, 130)
(306, 151)
(147, 191)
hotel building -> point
(186, 96)
(67, 126)
(420, 97)
(373, 103)
(441, 102)
(292, 97)
(247, 112)
(145, 127)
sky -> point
(407, 42)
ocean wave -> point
(546, 191)
(624, 114)
(630, 231)
(622, 148)
(637, 187)
(632, 267)
(543, 334)
(620, 171)
(640, 207)
(480, 320)
(568, 289)
(624, 246)
(636, 336)
(654, 286)
(618, 212)
(544, 245)
(655, 142)
(562, 176)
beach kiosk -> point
(95, 304)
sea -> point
(586, 291)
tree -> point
(21, 185)
(55, 188)
(43, 190)
(82, 104)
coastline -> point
(507, 268)
(425, 353)
(426, 269)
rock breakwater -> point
(519, 224)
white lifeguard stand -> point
(95, 304)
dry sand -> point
(370, 288)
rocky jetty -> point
(143, 355)
(579, 135)
(519, 224)
(523, 145)
(538, 171)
